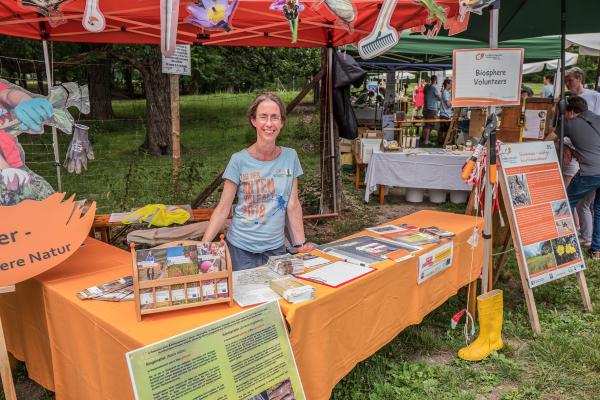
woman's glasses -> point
(264, 118)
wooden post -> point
(175, 129)
(5, 371)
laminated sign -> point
(486, 77)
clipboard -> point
(336, 274)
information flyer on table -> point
(540, 210)
(435, 261)
(243, 357)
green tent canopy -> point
(414, 48)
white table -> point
(425, 168)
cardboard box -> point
(345, 145)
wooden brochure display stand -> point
(184, 284)
(5, 370)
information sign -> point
(486, 77)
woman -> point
(265, 178)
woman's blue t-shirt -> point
(264, 189)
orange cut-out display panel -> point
(38, 235)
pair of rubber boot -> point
(490, 308)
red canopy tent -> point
(138, 22)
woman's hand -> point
(306, 247)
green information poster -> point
(243, 357)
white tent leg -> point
(54, 133)
(489, 188)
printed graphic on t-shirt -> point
(259, 195)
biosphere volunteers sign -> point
(487, 77)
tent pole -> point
(489, 185)
(332, 146)
(54, 133)
(563, 38)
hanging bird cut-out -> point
(93, 19)
(435, 19)
(48, 8)
(383, 36)
(212, 14)
(291, 11)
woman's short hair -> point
(266, 96)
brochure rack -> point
(185, 291)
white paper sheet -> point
(336, 274)
(251, 286)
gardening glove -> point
(14, 178)
(80, 150)
(32, 113)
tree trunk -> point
(158, 106)
(40, 79)
(100, 84)
(128, 78)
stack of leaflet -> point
(292, 290)
(118, 290)
(286, 264)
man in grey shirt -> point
(432, 98)
(583, 128)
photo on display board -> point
(564, 226)
(539, 256)
(560, 208)
(519, 192)
(151, 264)
(566, 249)
(281, 391)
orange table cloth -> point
(77, 348)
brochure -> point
(365, 250)
(412, 238)
(336, 274)
(434, 230)
(292, 290)
(118, 290)
(311, 260)
(386, 229)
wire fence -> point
(212, 128)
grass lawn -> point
(420, 363)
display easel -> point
(528, 292)
(180, 280)
(5, 370)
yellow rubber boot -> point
(489, 306)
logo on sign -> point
(479, 56)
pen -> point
(362, 264)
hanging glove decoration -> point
(291, 9)
(29, 115)
(48, 8)
(211, 14)
(80, 150)
(93, 19)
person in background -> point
(418, 98)
(548, 89)
(582, 127)
(574, 80)
(265, 178)
(526, 92)
(445, 110)
(432, 98)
